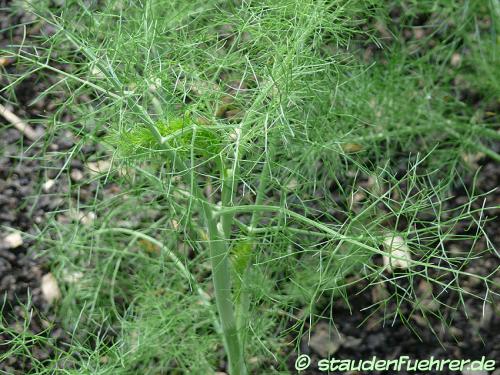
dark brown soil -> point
(23, 208)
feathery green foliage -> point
(254, 145)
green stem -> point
(261, 191)
(243, 305)
(221, 275)
(222, 285)
(226, 198)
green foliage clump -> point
(182, 135)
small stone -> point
(47, 185)
(50, 288)
(456, 59)
(418, 33)
(86, 218)
(98, 167)
(4, 61)
(235, 135)
(398, 253)
(104, 359)
(175, 224)
(13, 240)
(325, 341)
(472, 159)
(76, 175)
(358, 197)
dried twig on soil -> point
(19, 124)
